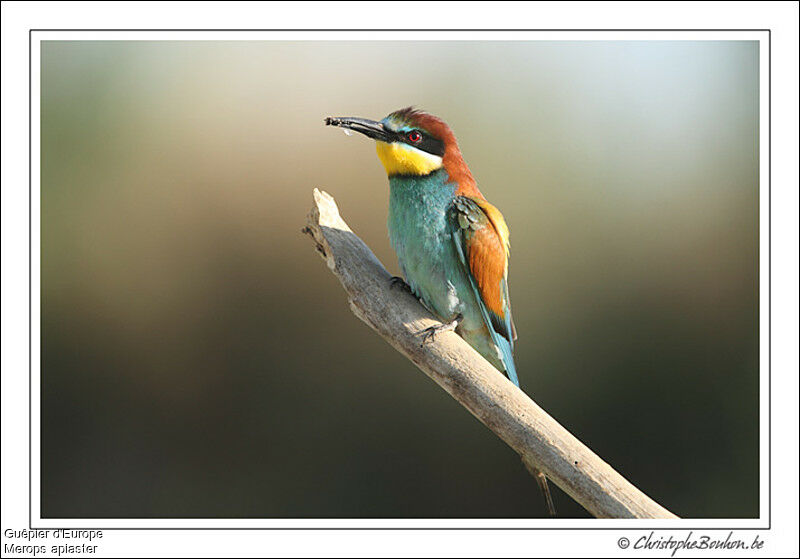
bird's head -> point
(411, 142)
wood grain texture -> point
(398, 317)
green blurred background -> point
(199, 360)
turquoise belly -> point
(421, 237)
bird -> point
(452, 245)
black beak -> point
(370, 128)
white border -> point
(699, 524)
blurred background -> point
(199, 360)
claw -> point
(398, 281)
(429, 334)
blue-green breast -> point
(421, 237)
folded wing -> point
(482, 243)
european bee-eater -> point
(452, 244)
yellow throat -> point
(402, 159)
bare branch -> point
(398, 317)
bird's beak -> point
(370, 128)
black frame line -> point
(426, 528)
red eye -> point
(414, 136)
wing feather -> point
(481, 237)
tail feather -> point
(508, 357)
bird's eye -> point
(414, 136)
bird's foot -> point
(429, 334)
(397, 281)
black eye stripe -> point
(427, 144)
